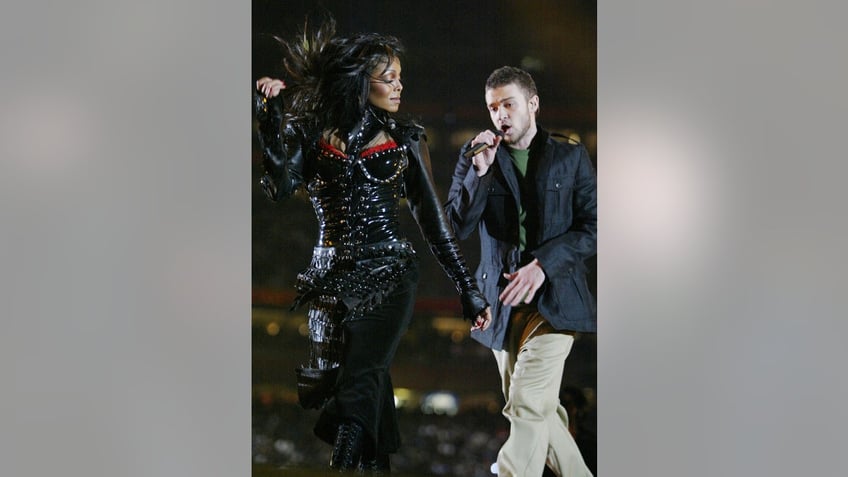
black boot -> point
(373, 462)
(315, 386)
(348, 448)
(378, 465)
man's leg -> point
(564, 457)
(531, 381)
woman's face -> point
(385, 89)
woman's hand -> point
(483, 320)
(267, 104)
(270, 87)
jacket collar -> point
(508, 171)
(539, 154)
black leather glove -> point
(268, 111)
(282, 155)
(452, 261)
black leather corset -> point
(357, 198)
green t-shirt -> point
(520, 158)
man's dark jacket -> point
(561, 182)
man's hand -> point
(483, 320)
(523, 284)
(484, 159)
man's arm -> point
(467, 195)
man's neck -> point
(526, 139)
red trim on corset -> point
(323, 144)
(390, 144)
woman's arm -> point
(282, 149)
(431, 219)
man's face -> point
(513, 114)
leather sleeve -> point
(282, 150)
(428, 212)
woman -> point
(336, 137)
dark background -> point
(451, 47)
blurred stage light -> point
(440, 402)
(403, 397)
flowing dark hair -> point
(327, 77)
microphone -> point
(477, 148)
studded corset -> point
(360, 255)
(357, 198)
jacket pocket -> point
(557, 203)
(581, 283)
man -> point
(533, 200)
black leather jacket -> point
(360, 254)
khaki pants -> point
(531, 366)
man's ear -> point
(534, 104)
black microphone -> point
(474, 150)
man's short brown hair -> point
(510, 74)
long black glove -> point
(428, 212)
(283, 162)
(452, 261)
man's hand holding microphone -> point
(482, 150)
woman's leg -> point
(364, 395)
(316, 379)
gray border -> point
(126, 234)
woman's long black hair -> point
(327, 77)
